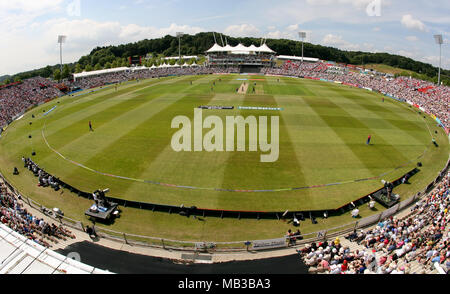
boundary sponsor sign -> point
(269, 244)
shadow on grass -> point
(199, 218)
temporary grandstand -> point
(125, 70)
(297, 58)
(19, 255)
(94, 73)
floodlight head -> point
(438, 39)
(302, 35)
(62, 39)
(180, 34)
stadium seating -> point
(433, 99)
(19, 219)
(417, 242)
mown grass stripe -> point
(130, 159)
(196, 165)
(373, 158)
(105, 127)
(82, 109)
(323, 153)
(411, 129)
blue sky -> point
(29, 29)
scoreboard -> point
(135, 60)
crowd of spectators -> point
(124, 76)
(16, 99)
(45, 179)
(235, 59)
(434, 99)
(16, 217)
(391, 246)
(388, 248)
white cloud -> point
(294, 27)
(411, 23)
(242, 30)
(360, 4)
(29, 6)
(17, 14)
(278, 35)
(341, 11)
(412, 38)
(87, 33)
(337, 41)
(83, 36)
(30, 38)
(290, 32)
(419, 56)
(409, 54)
(435, 60)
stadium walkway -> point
(186, 258)
(156, 252)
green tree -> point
(78, 68)
(199, 43)
(47, 71)
(201, 60)
(88, 68)
(98, 67)
(57, 75)
(66, 72)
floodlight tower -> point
(302, 35)
(61, 40)
(439, 41)
(179, 35)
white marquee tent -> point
(240, 49)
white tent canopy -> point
(240, 49)
(265, 48)
(215, 48)
(226, 48)
(253, 48)
(99, 72)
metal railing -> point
(210, 247)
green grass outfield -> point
(323, 130)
